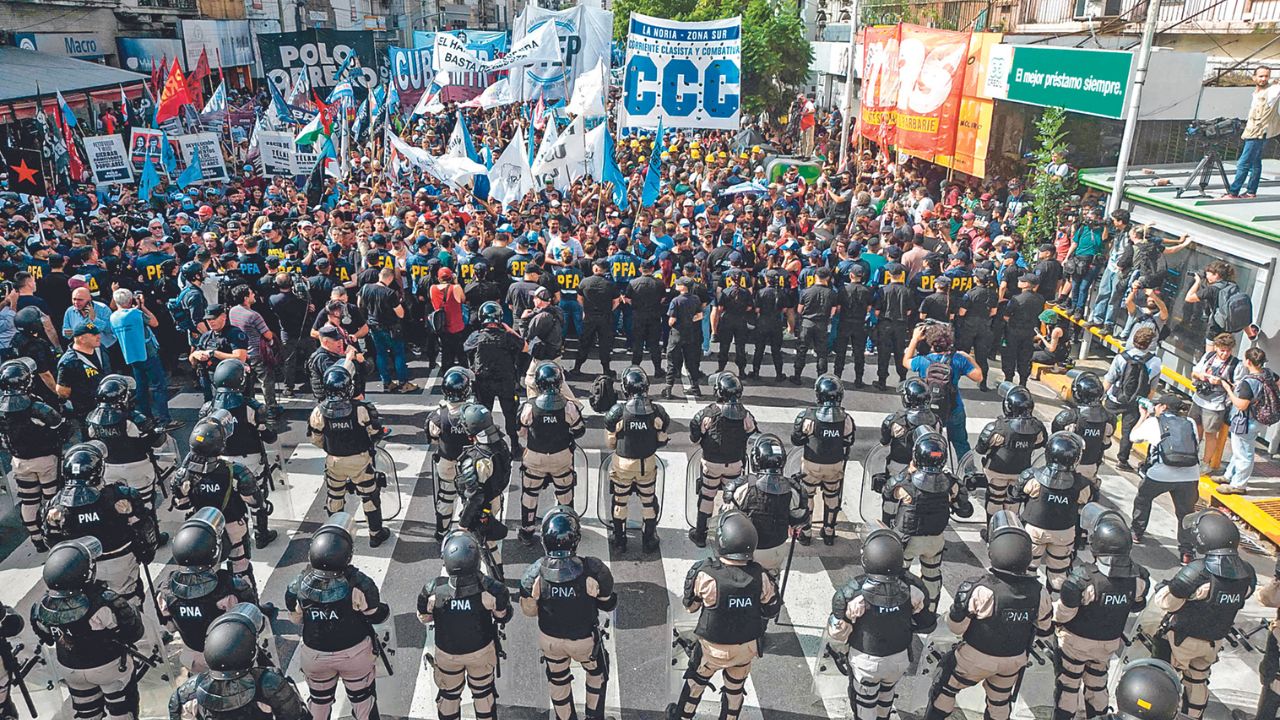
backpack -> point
(178, 311)
(1265, 406)
(1182, 454)
(1234, 309)
(1134, 381)
(603, 395)
(937, 378)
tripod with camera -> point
(1213, 133)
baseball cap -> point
(330, 332)
(87, 329)
(445, 274)
(1173, 401)
(215, 310)
(542, 294)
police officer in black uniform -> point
(237, 682)
(348, 431)
(468, 609)
(336, 605)
(114, 514)
(851, 334)
(31, 342)
(895, 313)
(1202, 601)
(818, 304)
(207, 480)
(129, 436)
(777, 506)
(973, 322)
(735, 597)
(926, 495)
(550, 425)
(736, 306)
(898, 433)
(1007, 444)
(645, 295)
(92, 629)
(637, 427)
(773, 299)
(1022, 318)
(199, 590)
(827, 434)
(1051, 497)
(721, 429)
(32, 432)
(484, 471)
(873, 620)
(1091, 611)
(600, 297)
(252, 431)
(493, 352)
(684, 341)
(447, 437)
(566, 593)
(1091, 420)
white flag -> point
(453, 171)
(540, 46)
(457, 146)
(589, 91)
(562, 160)
(498, 94)
(594, 159)
(510, 177)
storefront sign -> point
(76, 45)
(1094, 82)
(141, 54)
(228, 42)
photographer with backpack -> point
(1172, 465)
(941, 371)
(1227, 308)
(1255, 404)
(1127, 381)
(1217, 366)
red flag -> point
(157, 70)
(326, 117)
(540, 115)
(174, 95)
(202, 66)
(75, 166)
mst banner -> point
(686, 74)
(586, 36)
(108, 159)
(321, 54)
(913, 79)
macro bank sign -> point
(76, 45)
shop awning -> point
(21, 70)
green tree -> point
(775, 45)
(1048, 192)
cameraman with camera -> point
(1084, 260)
(1262, 124)
(1172, 465)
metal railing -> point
(183, 5)
(1188, 15)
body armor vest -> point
(885, 628)
(453, 438)
(25, 439)
(463, 624)
(112, 428)
(736, 618)
(329, 620)
(1212, 618)
(344, 436)
(1020, 441)
(826, 444)
(1054, 509)
(549, 431)
(1012, 625)
(95, 515)
(927, 514)
(726, 441)
(216, 487)
(637, 434)
(565, 610)
(1105, 617)
(770, 514)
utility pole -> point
(1135, 102)
(845, 120)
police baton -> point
(151, 586)
(378, 647)
(18, 672)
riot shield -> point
(692, 476)
(683, 646)
(869, 503)
(604, 493)
(970, 472)
(831, 668)
(274, 479)
(389, 480)
(913, 689)
(795, 462)
(547, 499)
(384, 646)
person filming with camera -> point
(1172, 465)
(1262, 124)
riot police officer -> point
(566, 593)
(1007, 444)
(735, 597)
(195, 593)
(636, 428)
(247, 443)
(114, 514)
(1093, 606)
(1202, 600)
(32, 432)
(484, 470)
(898, 434)
(874, 617)
(549, 425)
(205, 479)
(998, 617)
(447, 438)
(11, 624)
(467, 609)
(336, 605)
(1269, 670)
(348, 431)
(1089, 419)
(826, 432)
(236, 683)
(721, 429)
(30, 342)
(493, 351)
(92, 629)
(926, 494)
(1051, 497)
(776, 505)
(1148, 690)
(129, 436)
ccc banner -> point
(686, 74)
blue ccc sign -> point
(682, 87)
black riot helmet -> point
(72, 565)
(338, 383)
(117, 391)
(29, 320)
(84, 463)
(882, 554)
(15, 375)
(231, 642)
(232, 375)
(1086, 388)
(476, 419)
(198, 543)
(767, 453)
(209, 437)
(1063, 450)
(736, 536)
(727, 387)
(1110, 539)
(634, 382)
(929, 450)
(1008, 544)
(456, 384)
(1217, 536)
(192, 271)
(829, 390)
(332, 546)
(1018, 402)
(460, 554)
(490, 312)
(547, 377)
(915, 394)
(561, 532)
(1149, 689)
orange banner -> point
(913, 78)
(973, 127)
